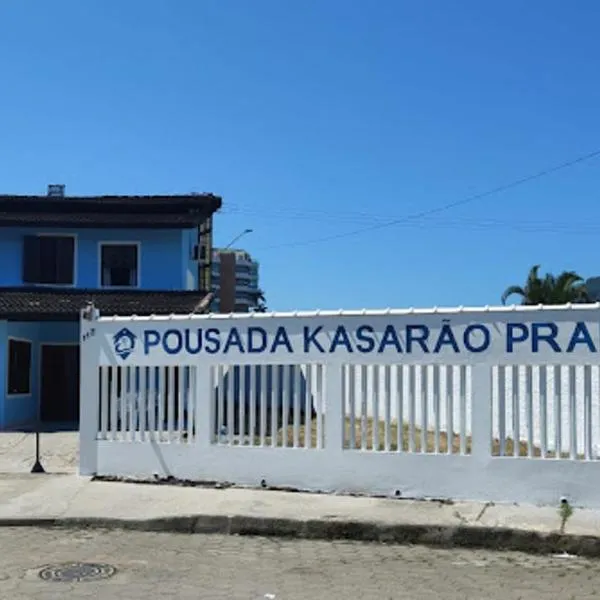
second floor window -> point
(49, 259)
(119, 265)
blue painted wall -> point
(165, 255)
(18, 410)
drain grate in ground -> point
(76, 572)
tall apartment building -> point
(234, 281)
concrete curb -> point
(444, 536)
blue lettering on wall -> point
(151, 339)
(212, 341)
(544, 332)
(281, 339)
(193, 349)
(365, 334)
(516, 333)
(389, 338)
(340, 338)
(310, 339)
(257, 340)
(233, 340)
(419, 335)
(581, 335)
(414, 338)
(446, 338)
(172, 341)
(471, 335)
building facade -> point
(234, 281)
(127, 255)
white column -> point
(204, 405)
(481, 406)
(334, 411)
(89, 396)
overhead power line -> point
(462, 224)
(439, 209)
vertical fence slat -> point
(558, 444)
(516, 410)
(412, 434)
(194, 403)
(587, 415)
(170, 403)
(308, 405)
(375, 391)
(435, 378)
(143, 403)
(296, 410)
(242, 406)
(131, 397)
(251, 384)
(450, 408)
(220, 421)
(153, 385)
(387, 407)
(262, 388)
(543, 383)
(464, 378)
(163, 407)
(399, 397)
(319, 382)
(424, 396)
(572, 411)
(286, 391)
(351, 390)
(180, 403)
(104, 402)
(122, 423)
(230, 401)
(501, 395)
(529, 405)
(113, 403)
(363, 406)
(275, 403)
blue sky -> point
(314, 118)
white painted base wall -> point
(519, 480)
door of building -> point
(59, 385)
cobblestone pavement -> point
(168, 566)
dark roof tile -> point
(54, 304)
(108, 211)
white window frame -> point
(138, 245)
(75, 263)
(25, 341)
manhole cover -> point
(73, 572)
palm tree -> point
(568, 287)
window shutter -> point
(65, 255)
(31, 259)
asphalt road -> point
(200, 567)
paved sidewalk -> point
(69, 500)
(59, 451)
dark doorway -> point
(59, 383)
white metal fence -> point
(507, 409)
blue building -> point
(127, 254)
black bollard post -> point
(37, 467)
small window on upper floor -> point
(49, 259)
(19, 367)
(119, 265)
